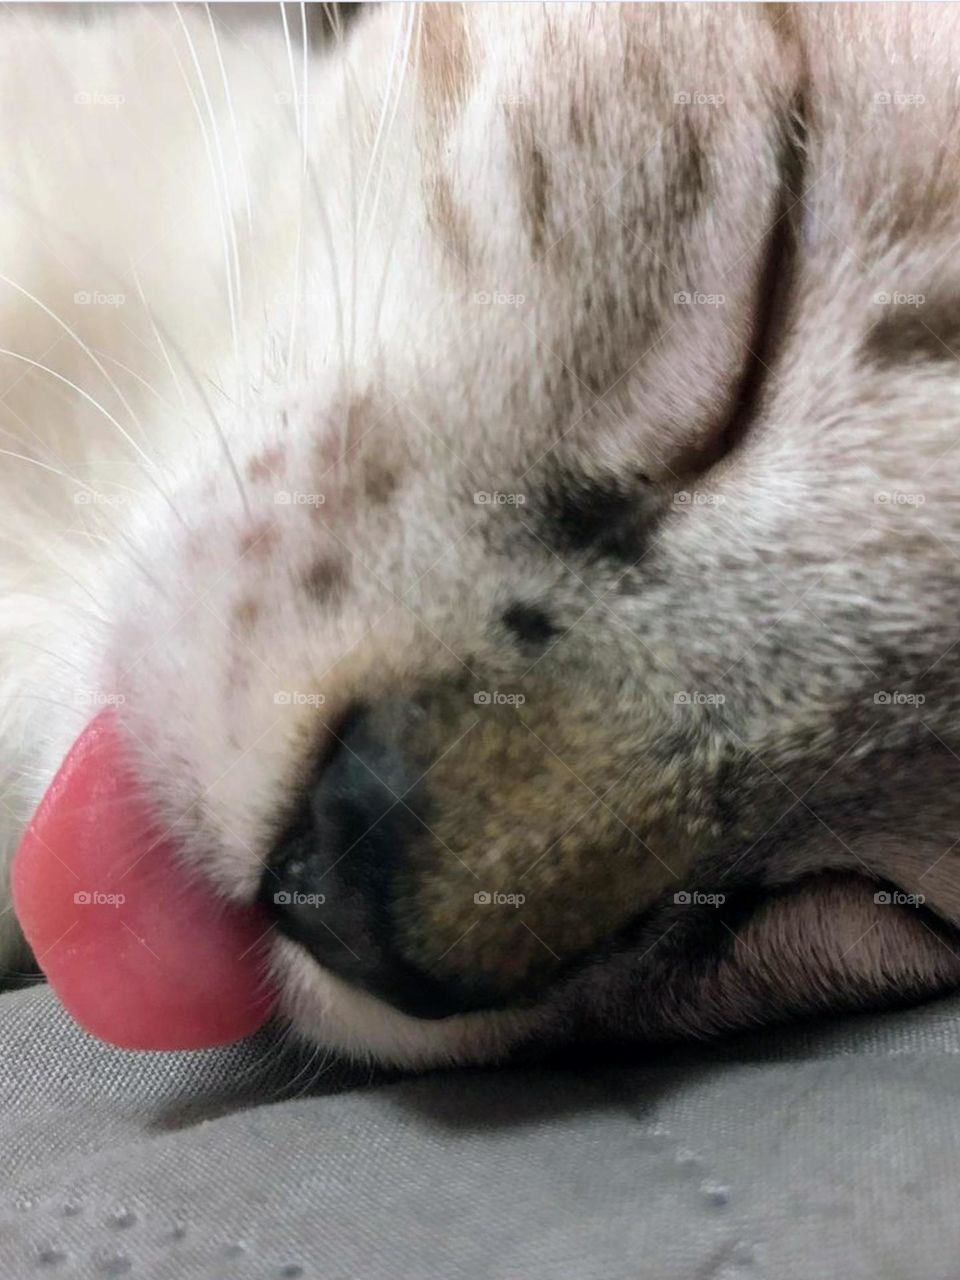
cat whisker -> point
(221, 186)
(72, 333)
(147, 469)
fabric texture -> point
(816, 1153)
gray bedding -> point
(820, 1152)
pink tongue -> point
(139, 954)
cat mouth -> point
(140, 953)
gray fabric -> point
(814, 1153)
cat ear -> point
(829, 943)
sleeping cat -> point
(497, 462)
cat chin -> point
(324, 1010)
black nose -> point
(333, 879)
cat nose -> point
(333, 877)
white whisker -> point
(58, 657)
(305, 77)
(198, 387)
(115, 531)
(413, 19)
(384, 112)
(56, 563)
(415, 51)
(241, 159)
(148, 469)
(156, 333)
(300, 115)
(221, 192)
(144, 382)
(165, 339)
(8, 453)
(348, 97)
(111, 273)
(38, 443)
(334, 271)
(293, 74)
(32, 297)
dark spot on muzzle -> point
(529, 623)
(325, 581)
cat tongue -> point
(139, 953)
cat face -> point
(514, 633)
